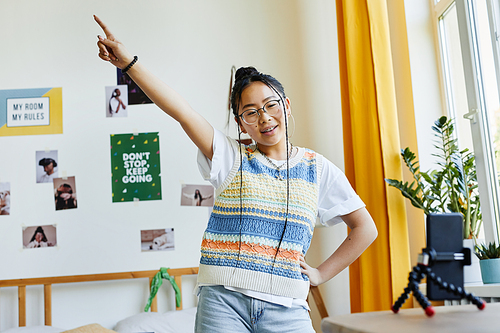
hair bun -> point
(244, 72)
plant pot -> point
(490, 270)
(472, 273)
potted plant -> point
(489, 261)
(450, 188)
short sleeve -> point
(336, 195)
(217, 169)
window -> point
(469, 50)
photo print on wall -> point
(65, 193)
(135, 167)
(4, 198)
(197, 195)
(157, 240)
(135, 94)
(116, 101)
(39, 236)
(46, 166)
(31, 111)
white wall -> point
(323, 116)
(191, 45)
(425, 78)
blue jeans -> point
(221, 310)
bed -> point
(180, 320)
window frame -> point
(477, 114)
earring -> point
(293, 132)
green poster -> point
(135, 167)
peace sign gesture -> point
(111, 49)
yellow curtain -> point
(371, 148)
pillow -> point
(34, 329)
(181, 321)
(92, 328)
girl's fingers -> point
(110, 49)
(104, 28)
(106, 49)
(102, 49)
(103, 57)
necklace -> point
(278, 168)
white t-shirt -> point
(113, 105)
(35, 244)
(336, 196)
(45, 178)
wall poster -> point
(135, 167)
(31, 111)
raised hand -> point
(196, 127)
(111, 49)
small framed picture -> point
(116, 101)
(39, 236)
(65, 193)
(4, 198)
(135, 94)
(157, 240)
(197, 195)
(46, 169)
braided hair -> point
(244, 77)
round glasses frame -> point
(251, 116)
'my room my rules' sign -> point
(31, 111)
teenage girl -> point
(115, 102)
(197, 197)
(38, 239)
(253, 276)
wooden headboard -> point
(47, 283)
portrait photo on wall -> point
(65, 193)
(135, 94)
(4, 198)
(197, 195)
(39, 236)
(157, 240)
(116, 101)
(46, 166)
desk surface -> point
(453, 319)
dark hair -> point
(46, 161)
(60, 202)
(66, 188)
(244, 77)
(39, 230)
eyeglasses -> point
(251, 116)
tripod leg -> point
(401, 300)
(414, 278)
(458, 291)
(423, 301)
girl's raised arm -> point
(196, 127)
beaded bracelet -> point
(125, 70)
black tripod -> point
(423, 268)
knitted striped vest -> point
(254, 265)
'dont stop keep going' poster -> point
(135, 167)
